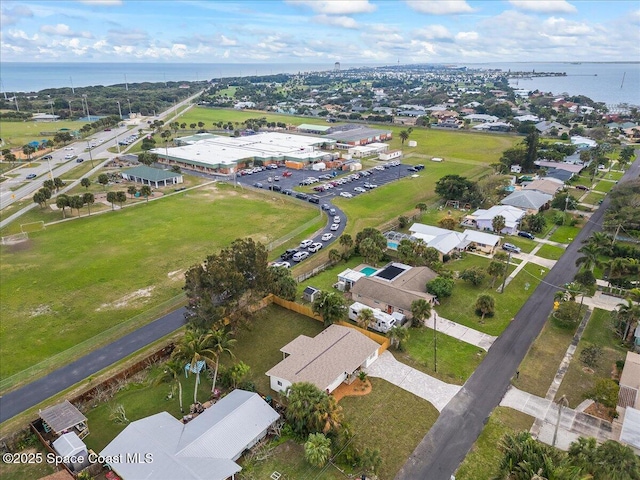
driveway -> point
(431, 389)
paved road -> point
(35, 392)
(442, 450)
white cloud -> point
(227, 42)
(564, 28)
(439, 7)
(339, 21)
(336, 7)
(434, 32)
(11, 16)
(544, 6)
(467, 36)
(63, 30)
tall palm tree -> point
(591, 256)
(172, 372)
(398, 335)
(404, 135)
(485, 304)
(219, 342)
(364, 318)
(317, 449)
(630, 312)
(193, 348)
(420, 311)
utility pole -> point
(435, 341)
(615, 235)
(562, 402)
(90, 156)
(119, 109)
(506, 273)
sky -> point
(317, 31)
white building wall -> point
(284, 384)
(336, 383)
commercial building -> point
(152, 176)
(216, 154)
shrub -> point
(590, 355)
(441, 286)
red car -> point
(286, 174)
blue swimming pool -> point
(368, 271)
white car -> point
(298, 257)
(336, 219)
(68, 148)
(359, 190)
(327, 236)
(68, 156)
(379, 167)
(334, 227)
(315, 247)
(281, 264)
(346, 195)
(306, 243)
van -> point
(314, 199)
(298, 257)
(332, 211)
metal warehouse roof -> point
(149, 173)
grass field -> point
(604, 186)
(550, 251)
(541, 363)
(578, 381)
(18, 134)
(593, 198)
(564, 234)
(79, 278)
(483, 458)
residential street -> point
(441, 451)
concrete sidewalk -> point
(435, 391)
(602, 301)
(573, 424)
(461, 332)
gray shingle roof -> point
(529, 199)
(151, 174)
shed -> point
(152, 176)
(71, 448)
(64, 417)
(310, 293)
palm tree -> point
(485, 304)
(364, 318)
(172, 372)
(630, 312)
(591, 256)
(88, 199)
(498, 223)
(398, 335)
(404, 135)
(346, 241)
(317, 449)
(219, 342)
(420, 311)
(330, 306)
(193, 348)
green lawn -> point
(550, 251)
(604, 186)
(390, 419)
(456, 359)
(17, 134)
(614, 175)
(375, 208)
(525, 244)
(460, 306)
(539, 367)
(578, 380)
(482, 460)
(20, 471)
(564, 234)
(325, 279)
(270, 329)
(593, 198)
(117, 265)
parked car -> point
(509, 247)
(334, 227)
(288, 254)
(47, 157)
(302, 196)
(419, 167)
(359, 190)
(526, 235)
(287, 191)
(79, 160)
(332, 211)
(327, 236)
(298, 257)
(281, 264)
(276, 188)
(306, 243)
(68, 156)
(31, 176)
(412, 169)
(326, 206)
(315, 247)
(286, 174)
(582, 187)
(346, 195)
(314, 199)
(336, 219)
(257, 185)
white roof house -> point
(481, 117)
(482, 238)
(512, 216)
(204, 448)
(530, 200)
(441, 239)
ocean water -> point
(601, 82)
(32, 77)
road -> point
(92, 147)
(441, 451)
(17, 401)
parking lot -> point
(347, 184)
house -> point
(393, 288)
(45, 117)
(443, 240)
(485, 242)
(550, 186)
(330, 358)
(481, 118)
(347, 279)
(393, 154)
(583, 142)
(162, 447)
(493, 127)
(483, 219)
(530, 200)
(527, 118)
(626, 428)
(152, 176)
(545, 127)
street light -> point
(435, 341)
(119, 109)
(90, 156)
